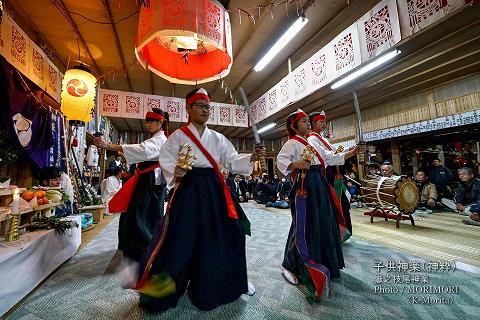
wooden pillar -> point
(395, 157)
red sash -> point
(120, 201)
(232, 213)
(305, 143)
(336, 201)
(322, 140)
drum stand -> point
(389, 212)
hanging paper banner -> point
(5, 35)
(299, 77)
(154, 102)
(379, 29)
(176, 109)
(132, 105)
(53, 80)
(417, 15)
(345, 49)
(19, 46)
(214, 111)
(240, 118)
(272, 101)
(38, 67)
(225, 115)
(56, 157)
(110, 102)
(286, 95)
(319, 75)
(28, 58)
(446, 122)
(262, 108)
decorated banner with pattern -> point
(240, 116)
(19, 46)
(262, 108)
(109, 101)
(151, 101)
(37, 69)
(379, 29)
(225, 114)
(122, 104)
(345, 49)
(176, 109)
(132, 105)
(214, 110)
(28, 58)
(417, 15)
(446, 122)
(273, 105)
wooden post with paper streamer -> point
(258, 144)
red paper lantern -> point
(185, 41)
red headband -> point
(320, 117)
(153, 115)
(298, 116)
(294, 120)
(197, 96)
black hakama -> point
(322, 232)
(203, 249)
(146, 207)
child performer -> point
(199, 246)
(313, 252)
(315, 139)
(142, 197)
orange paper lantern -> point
(185, 41)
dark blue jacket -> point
(440, 176)
(468, 193)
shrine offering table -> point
(25, 263)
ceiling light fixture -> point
(267, 127)
(284, 39)
(368, 67)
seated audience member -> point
(428, 192)
(387, 171)
(238, 188)
(283, 190)
(265, 190)
(251, 184)
(353, 190)
(440, 176)
(466, 198)
(373, 170)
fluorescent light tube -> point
(267, 127)
(366, 68)
(287, 36)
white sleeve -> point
(332, 158)
(236, 163)
(146, 151)
(168, 157)
(110, 188)
(285, 157)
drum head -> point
(406, 195)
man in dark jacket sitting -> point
(265, 190)
(467, 196)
